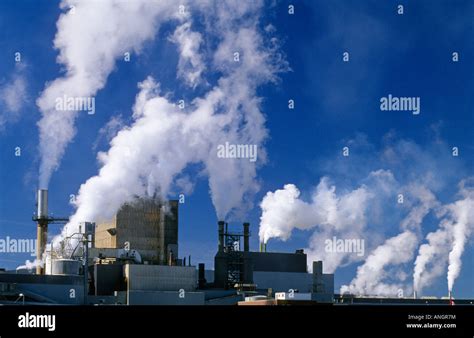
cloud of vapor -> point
(371, 277)
(432, 258)
(422, 172)
(31, 265)
(328, 214)
(91, 36)
(108, 132)
(446, 245)
(150, 155)
(283, 210)
(463, 214)
(190, 65)
(13, 96)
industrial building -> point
(133, 259)
(144, 224)
(277, 271)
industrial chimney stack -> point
(42, 228)
(221, 235)
(246, 237)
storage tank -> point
(65, 267)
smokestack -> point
(451, 301)
(414, 294)
(201, 276)
(246, 237)
(263, 247)
(221, 235)
(42, 227)
(42, 203)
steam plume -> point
(148, 156)
(91, 36)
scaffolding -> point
(234, 258)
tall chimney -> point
(221, 235)
(42, 228)
(201, 276)
(42, 203)
(246, 237)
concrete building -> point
(160, 277)
(146, 225)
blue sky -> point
(336, 104)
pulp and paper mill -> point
(134, 259)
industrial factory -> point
(134, 259)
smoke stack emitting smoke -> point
(88, 52)
(446, 245)
(148, 157)
(283, 211)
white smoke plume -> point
(191, 64)
(283, 210)
(13, 96)
(31, 265)
(370, 276)
(148, 156)
(462, 212)
(432, 258)
(343, 216)
(346, 217)
(400, 249)
(447, 243)
(91, 36)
